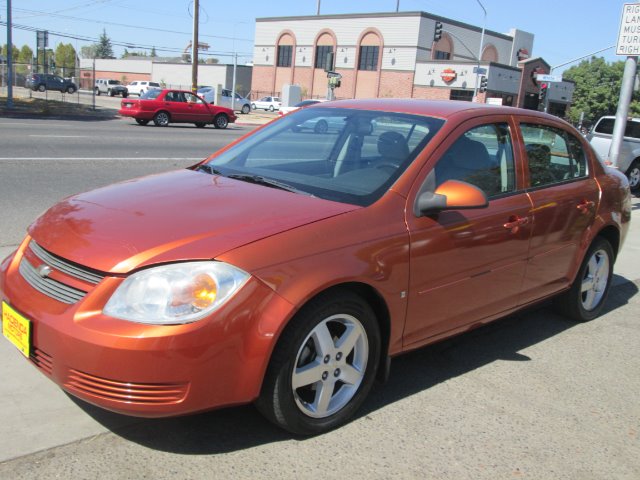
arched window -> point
(443, 49)
(284, 55)
(369, 53)
(489, 54)
(324, 46)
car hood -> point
(180, 215)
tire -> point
(125, 94)
(71, 90)
(633, 174)
(221, 121)
(201, 124)
(141, 92)
(311, 384)
(271, 109)
(253, 106)
(162, 119)
(97, 90)
(110, 92)
(141, 121)
(245, 109)
(321, 127)
(586, 297)
(41, 87)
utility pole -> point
(9, 58)
(194, 47)
(484, 24)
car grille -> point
(42, 360)
(142, 393)
(54, 288)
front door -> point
(468, 265)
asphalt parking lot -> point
(533, 396)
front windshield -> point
(345, 155)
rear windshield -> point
(605, 126)
(151, 94)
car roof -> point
(434, 108)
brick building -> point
(394, 55)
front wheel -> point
(111, 92)
(321, 127)
(71, 90)
(586, 297)
(161, 119)
(221, 121)
(97, 90)
(633, 174)
(125, 94)
(323, 366)
(41, 87)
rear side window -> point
(553, 155)
(482, 156)
(605, 126)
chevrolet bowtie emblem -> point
(44, 270)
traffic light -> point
(437, 34)
(328, 66)
(483, 84)
(543, 91)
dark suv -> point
(47, 81)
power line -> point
(137, 27)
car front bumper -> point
(148, 370)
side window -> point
(553, 155)
(482, 156)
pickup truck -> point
(600, 138)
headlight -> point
(174, 294)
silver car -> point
(629, 157)
(209, 94)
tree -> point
(103, 47)
(153, 52)
(88, 51)
(597, 89)
(15, 52)
(65, 57)
(26, 55)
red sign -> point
(448, 75)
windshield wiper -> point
(268, 182)
(209, 169)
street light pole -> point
(484, 24)
(194, 47)
(9, 58)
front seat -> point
(392, 148)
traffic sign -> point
(334, 75)
(542, 77)
(629, 34)
(479, 70)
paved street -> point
(533, 396)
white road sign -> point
(548, 78)
(629, 35)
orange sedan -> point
(290, 266)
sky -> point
(564, 29)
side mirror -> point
(451, 195)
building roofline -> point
(388, 14)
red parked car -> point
(290, 266)
(175, 106)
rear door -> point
(565, 197)
(468, 265)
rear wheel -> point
(586, 297)
(125, 94)
(271, 109)
(161, 119)
(321, 127)
(140, 121)
(323, 366)
(633, 174)
(221, 121)
(110, 92)
(245, 109)
(41, 87)
(97, 90)
(71, 90)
